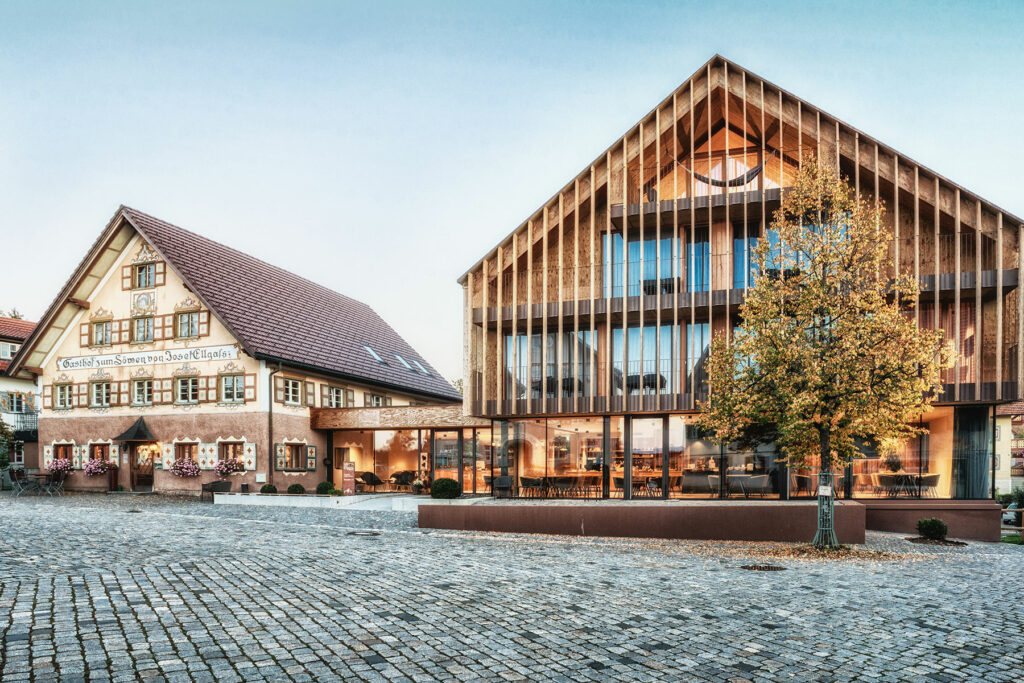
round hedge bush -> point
(445, 488)
(268, 488)
(934, 529)
(324, 487)
(296, 489)
(336, 492)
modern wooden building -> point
(164, 345)
(587, 327)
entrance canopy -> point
(138, 432)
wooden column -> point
(577, 269)
(592, 386)
(999, 305)
(956, 292)
(559, 341)
(675, 383)
(979, 337)
(917, 244)
(516, 361)
(544, 308)
(529, 315)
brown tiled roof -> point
(279, 316)
(11, 328)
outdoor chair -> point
(930, 484)
(713, 480)
(371, 479)
(20, 483)
(54, 485)
(756, 484)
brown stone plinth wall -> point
(207, 428)
(739, 521)
(977, 520)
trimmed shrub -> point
(324, 487)
(445, 488)
(934, 529)
(296, 489)
(268, 488)
(336, 492)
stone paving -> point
(97, 587)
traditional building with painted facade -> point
(19, 398)
(164, 346)
(587, 328)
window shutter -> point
(249, 455)
(115, 332)
(325, 396)
(350, 398)
(310, 458)
(202, 389)
(123, 390)
(84, 331)
(250, 387)
(48, 396)
(278, 389)
(159, 271)
(204, 323)
(311, 394)
(126, 277)
(168, 324)
(76, 456)
(165, 391)
(280, 458)
(387, 400)
(366, 398)
(166, 458)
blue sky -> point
(381, 148)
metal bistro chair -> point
(20, 483)
(54, 485)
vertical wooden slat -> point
(625, 259)
(956, 291)
(592, 388)
(979, 337)
(643, 271)
(856, 164)
(500, 320)
(917, 244)
(559, 342)
(693, 218)
(577, 267)
(516, 361)
(999, 305)
(544, 308)
(676, 256)
(727, 240)
(485, 383)
(896, 215)
(937, 320)
(529, 315)
(657, 257)
(1020, 312)
(468, 367)
(608, 375)
(746, 194)
(711, 222)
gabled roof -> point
(14, 329)
(752, 80)
(274, 314)
(139, 431)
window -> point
(188, 325)
(7, 350)
(340, 457)
(186, 451)
(61, 396)
(403, 361)
(420, 366)
(17, 403)
(293, 392)
(142, 392)
(295, 456)
(62, 451)
(376, 400)
(374, 354)
(187, 390)
(100, 394)
(18, 453)
(232, 388)
(231, 450)
(145, 275)
(142, 329)
(335, 397)
(99, 451)
(101, 333)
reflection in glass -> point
(395, 454)
(693, 461)
(647, 450)
(446, 454)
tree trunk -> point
(826, 534)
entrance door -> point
(648, 465)
(142, 466)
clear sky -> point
(381, 148)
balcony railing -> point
(22, 422)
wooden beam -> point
(81, 303)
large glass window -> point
(395, 457)
(743, 262)
(697, 250)
(694, 460)
(751, 472)
(446, 454)
(486, 464)
(616, 456)
(574, 456)
(647, 456)
(698, 343)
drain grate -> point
(763, 568)
(135, 511)
(364, 533)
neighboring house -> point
(19, 397)
(587, 328)
(165, 345)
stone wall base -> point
(977, 520)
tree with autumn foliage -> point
(828, 354)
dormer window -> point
(7, 350)
(420, 366)
(403, 362)
(144, 276)
(373, 353)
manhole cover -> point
(135, 511)
(364, 533)
(763, 568)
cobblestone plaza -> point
(96, 587)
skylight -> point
(374, 354)
(403, 362)
(420, 366)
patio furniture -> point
(531, 487)
(758, 483)
(930, 484)
(22, 483)
(54, 485)
(713, 484)
(371, 479)
(214, 487)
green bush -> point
(1017, 496)
(268, 488)
(336, 492)
(934, 529)
(324, 487)
(445, 488)
(296, 489)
